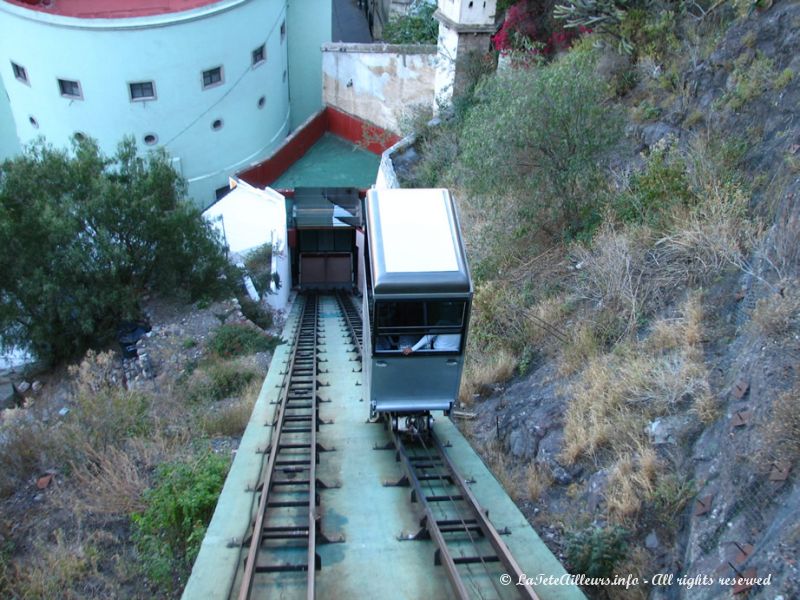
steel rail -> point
(312, 470)
(430, 519)
(503, 553)
(268, 470)
(454, 499)
(351, 318)
(477, 516)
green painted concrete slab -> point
(531, 553)
(215, 569)
(331, 162)
(372, 562)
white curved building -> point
(210, 80)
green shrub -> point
(671, 495)
(417, 27)
(217, 381)
(81, 245)
(258, 264)
(653, 192)
(228, 380)
(595, 551)
(168, 533)
(784, 79)
(750, 80)
(542, 134)
(602, 16)
(232, 340)
(256, 312)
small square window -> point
(142, 90)
(283, 31)
(20, 72)
(212, 77)
(69, 88)
(259, 55)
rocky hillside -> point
(634, 370)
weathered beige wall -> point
(378, 82)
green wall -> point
(309, 24)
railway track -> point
(468, 547)
(352, 320)
(282, 550)
(286, 529)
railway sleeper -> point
(289, 567)
(292, 503)
(437, 497)
(465, 560)
(283, 533)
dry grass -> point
(231, 418)
(538, 479)
(631, 482)
(707, 407)
(582, 346)
(638, 563)
(782, 428)
(615, 273)
(28, 448)
(778, 314)
(545, 322)
(499, 464)
(617, 394)
(57, 569)
(711, 236)
(483, 371)
(111, 482)
(684, 332)
(96, 372)
(498, 320)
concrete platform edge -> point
(215, 569)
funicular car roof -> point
(415, 243)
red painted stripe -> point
(355, 130)
(110, 9)
(293, 149)
(358, 131)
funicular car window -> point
(401, 324)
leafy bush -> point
(256, 312)
(232, 340)
(595, 551)
(652, 193)
(81, 245)
(604, 16)
(541, 133)
(228, 380)
(417, 27)
(168, 533)
(218, 380)
(259, 266)
(751, 78)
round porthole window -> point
(150, 139)
(34, 122)
(216, 125)
(261, 102)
